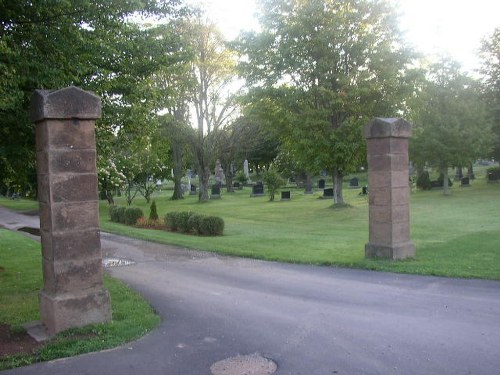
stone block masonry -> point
(73, 293)
(388, 181)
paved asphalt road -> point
(309, 320)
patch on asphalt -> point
(116, 262)
(253, 364)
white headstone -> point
(245, 168)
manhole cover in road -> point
(253, 364)
(116, 262)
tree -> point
(326, 67)
(451, 123)
(273, 181)
(212, 71)
(490, 55)
(97, 45)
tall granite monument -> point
(73, 293)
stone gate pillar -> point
(389, 190)
(73, 293)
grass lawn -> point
(455, 236)
(21, 279)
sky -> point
(435, 27)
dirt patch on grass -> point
(12, 343)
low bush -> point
(153, 213)
(194, 223)
(183, 221)
(424, 181)
(189, 222)
(120, 214)
(493, 173)
(211, 226)
(132, 214)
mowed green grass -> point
(20, 282)
(455, 236)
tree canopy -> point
(324, 68)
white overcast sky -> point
(449, 27)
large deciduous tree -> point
(327, 67)
(490, 56)
(97, 45)
(452, 126)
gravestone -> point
(389, 198)
(192, 191)
(321, 184)
(285, 195)
(465, 181)
(215, 193)
(220, 178)
(364, 190)
(245, 169)
(257, 190)
(73, 293)
(354, 183)
(328, 193)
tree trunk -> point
(177, 156)
(204, 180)
(470, 172)
(458, 174)
(338, 179)
(309, 184)
(446, 187)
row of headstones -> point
(258, 190)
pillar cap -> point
(68, 103)
(387, 127)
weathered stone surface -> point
(72, 275)
(63, 311)
(75, 245)
(55, 134)
(389, 196)
(68, 103)
(387, 127)
(73, 294)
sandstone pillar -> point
(73, 293)
(389, 190)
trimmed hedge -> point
(189, 222)
(125, 215)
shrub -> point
(241, 178)
(183, 221)
(493, 173)
(153, 214)
(424, 181)
(113, 216)
(171, 220)
(273, 181)
(120, 214)
(194, 223)
(132, 214)
(211, 226)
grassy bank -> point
(21, 279)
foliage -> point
(97, 45)
(494, 172)
(490, 56)
(125, 215)
(241, 177)
(22, 278)
(132, 214)
(451, 123)
(424, 181)
(320, 70)
(273, 181)
(189, 222)
(211, 226)
(153, 214)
